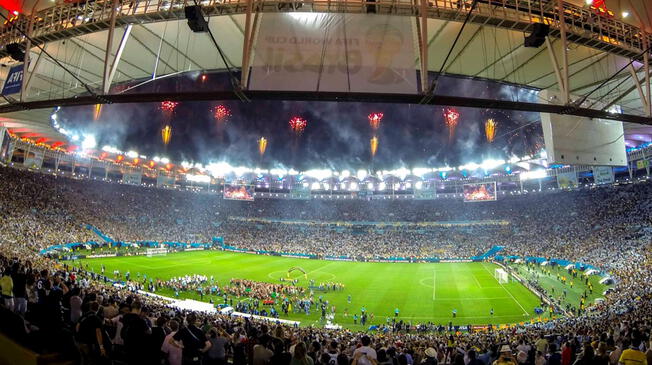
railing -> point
(583, 25)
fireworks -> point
(97, 111)
(262, 146)
(168, 106)
(298, 125)
(221, 113)
(373, 143)
(374, 120)
(168, 111)
(166, 134)
(451, 118)
(490, 129)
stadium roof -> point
(158, 43)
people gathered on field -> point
(54, 307)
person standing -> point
(633, 355)
(300, 355)
(19, 278)
(216, 355)
(90, 335)
(172, 353)
(192, 341)
(365, 354)
(7, 289)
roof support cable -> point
(429, 94)
(74, 76)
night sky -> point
(337, 135)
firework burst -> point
(490, 129)
(451, 118)
(374, 120)
(221, 113)
(298, 125)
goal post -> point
(501, 276)
(159, 251)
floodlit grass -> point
(422, 292)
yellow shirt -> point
(7, 286)
(632, 357)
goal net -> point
(156, 252)
(501, 276)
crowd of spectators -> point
(51, 307)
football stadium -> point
(325, 182)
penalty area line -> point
(508, 292)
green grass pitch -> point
(422, 292)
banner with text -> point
(642, 164)
(33, 159)
(428, 194)
(603, 175)
(567, 180)
(165, 181)
(14, 81)
(335, 53)
(132, 178)
(299, 192)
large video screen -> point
(480, 192)
(239, 192)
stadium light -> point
(382, 186)
(89, 142)
(491, 164)
(353, 186)
(370, 186)
(241, 170)
(315, 186)
(418, 185)
(420, 171)
(199, 178)
(278, 172)
(319, 174)
(134, 154)
(361, 174)
(535, 174)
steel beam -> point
(564, 51)
(646, 60)
(639, 88)
(116, 59)
(109, 46)
(246, 44)
(555, 67)
(332, 96)
(423, 44)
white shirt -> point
(368, 351)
